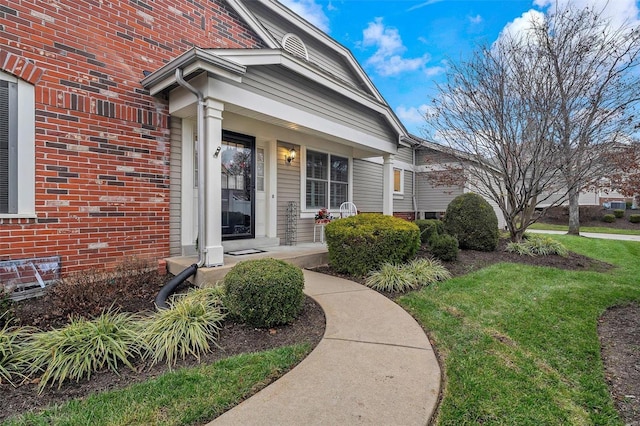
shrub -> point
(444, 247)
(609, 218)
(186, 328)
(634, 218)
(89, 292)
(472, 220)
(83, 347)
(264, 292)
(618, 213)
(428, 227)
(537, 245)
(629, 204)
(363, 243)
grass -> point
(520, 343)
(181, 397)
(594, 229)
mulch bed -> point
(619, 331)
(234, 339)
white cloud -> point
(311, 11)
(432, 71)
(423, 4)
(413, 115)
(520, 25)
(388, 59)
(619, 11)
(475, 19)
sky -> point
(405, 46)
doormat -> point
(243, 252)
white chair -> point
(348, 209)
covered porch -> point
(260, 140)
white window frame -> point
(25, 128)
(309, 212)
(401, 191)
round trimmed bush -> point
(444, 247)
(472, 220)
(264, 292)
(634, 218)
(609, 218)
(428, 227)
(618, 213)
(363, 243)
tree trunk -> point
(574, 212)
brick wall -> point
(102, 143)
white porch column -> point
(387, 185)
(213, 183)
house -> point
(161, 128)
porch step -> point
(304, 256)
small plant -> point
(634, 218)
(186, 328)
(83, 347)
(264, 292)
(391, 278)
(609, 218)
(428, 227)
(444, 247)
(537, 245)
(618, 213)
(6, 307)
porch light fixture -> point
(291, 156)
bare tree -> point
(545, 108)
(594, 69)
(495, 114)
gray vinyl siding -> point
(294, 90)
(405, 154)
(175, 188)
(289, 190)
(319, 54)
(404, 203)
(431, 198)
(367, 186)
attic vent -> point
(294, 45)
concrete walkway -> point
(620, 237)
(374, 366)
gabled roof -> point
(287, 14)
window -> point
(327, 182)
(398, 181)
(17, 154)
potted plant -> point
(323, 216)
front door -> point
(238, 186)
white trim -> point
(232, 94)
(305, 212)
(26, 109)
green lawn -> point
(182, 397)
(597, 230)
(520, 344)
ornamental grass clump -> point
(537, 245)
(83, 347)
(186, 328)
(12, 354)
(410, 276)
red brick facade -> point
(102, 143)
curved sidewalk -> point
(373, 366)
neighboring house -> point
(100, 121)
(432, 197)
